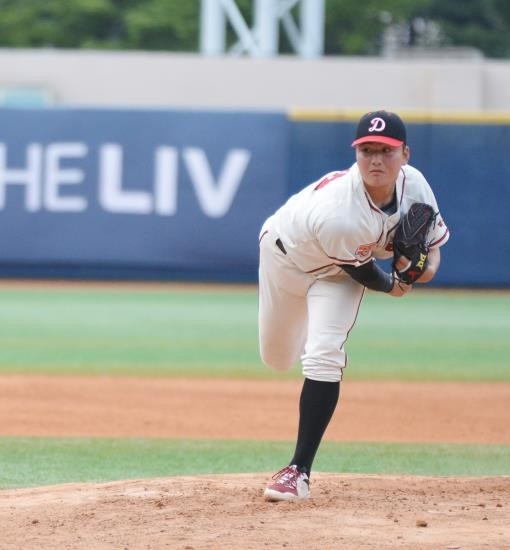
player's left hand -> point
(402, 263)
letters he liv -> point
(48, 168)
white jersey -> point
(333, 221)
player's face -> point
(380, 164)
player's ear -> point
(406, 152)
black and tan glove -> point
(410, 241)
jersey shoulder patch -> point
(328, 178)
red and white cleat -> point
(289, 484)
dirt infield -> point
(346, 511)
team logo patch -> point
(363, 251)
(378, 125)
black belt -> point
(279, 244)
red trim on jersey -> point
(380, 236)
(403, 185)
(361, 262)
(447, 232)
(263, 235)
(329, 178)
(373, 207)
(349, 332)
(320, 268)
(340, 263)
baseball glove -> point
(410, 240)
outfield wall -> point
(165, 194)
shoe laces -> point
(287, 476)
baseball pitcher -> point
(318, 253)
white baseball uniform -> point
(307, 303)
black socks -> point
(316, 407)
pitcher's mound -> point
(228, 512)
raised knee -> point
(277, 362)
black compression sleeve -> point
(371, 276)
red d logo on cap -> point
(378, 125)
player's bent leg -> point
(282, 308)
(282, 331)
(276, 361)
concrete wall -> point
(142, 79)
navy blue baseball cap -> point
(380, 127)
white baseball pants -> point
(301, 316)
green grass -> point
(30, 462)
(125, 331)
(433, 335)
(168, 331)
(172, 332)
